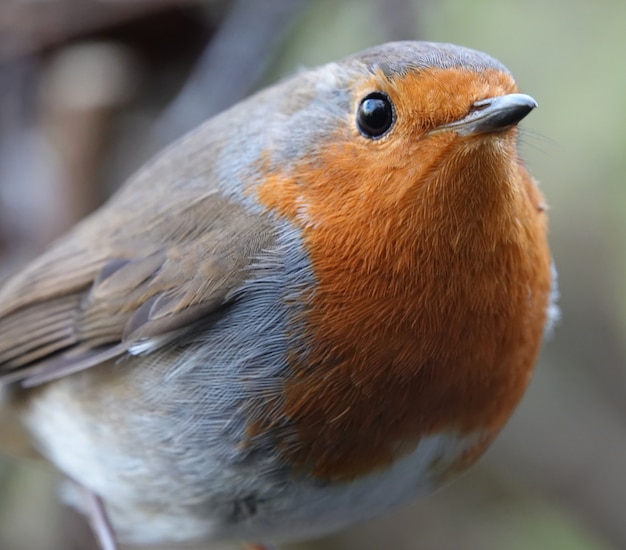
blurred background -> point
(90, 90)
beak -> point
(493, 114)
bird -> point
(320, 304)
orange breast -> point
(433, 281)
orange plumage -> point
(432, 283)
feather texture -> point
(106, 289)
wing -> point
(127, 280)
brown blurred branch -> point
(29, 26)
(232, 63)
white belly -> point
(201, 497)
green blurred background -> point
(88, 91)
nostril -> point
(480, 105)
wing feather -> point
(104, 291)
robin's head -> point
(408, 127)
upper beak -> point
(493, 115)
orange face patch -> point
(434, 96)
(433, 279)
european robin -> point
(319, 304)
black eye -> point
(375, 115)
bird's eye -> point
(375, 115)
